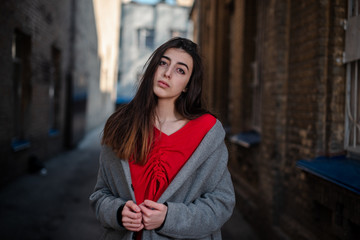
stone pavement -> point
(55, 206)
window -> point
(54, 91)
(352, 60)
(21, 50)
(256, 99)
(344, 170)
(253, 58)
(146, 38)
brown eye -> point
(181, 71)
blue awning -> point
(246, 139)
(18, 145)
(340, 170)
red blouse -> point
(168, 155)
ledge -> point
(246, 139)
(340, 170)
(18, 145)
(53, 132)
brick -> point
(302, 110)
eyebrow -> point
(181, 63)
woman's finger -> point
(130, 214)
(132, 220)
(153, 205)
(153, 214)
(130, 204)
(132, 226)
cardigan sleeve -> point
(207, 213)
(103, 201)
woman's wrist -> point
(119, 215)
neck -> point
(165, 111)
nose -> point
(167, 72)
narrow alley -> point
(55, 206)
(281, 76)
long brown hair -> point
(129, 131)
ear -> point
(185, 90)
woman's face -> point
(173, 74)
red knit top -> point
(169, 153)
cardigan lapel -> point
(202, 152)
(126, 168)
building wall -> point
(103, 86)
(46, 28)
(294, 49)
(61, 60)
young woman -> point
(163, 165)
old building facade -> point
(283, 78)
(144, 27)
(52, 67)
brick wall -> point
(68, 28)
(103, 88)
(47, 23)
(236, 63)
(298, 51)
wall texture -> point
(51, 87)
(47, 24)
(293, 51)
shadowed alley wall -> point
(276, 78)
(53, 87)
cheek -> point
(156, 72)
(187, 82)
(182, 84)
(156, 76)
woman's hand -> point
(153, 214)
(132, 217)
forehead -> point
(179, 55)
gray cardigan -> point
(200, 198)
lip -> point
(163, 84)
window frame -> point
(21, 54)
(352, 94)
(146, 38)
(55, 91)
